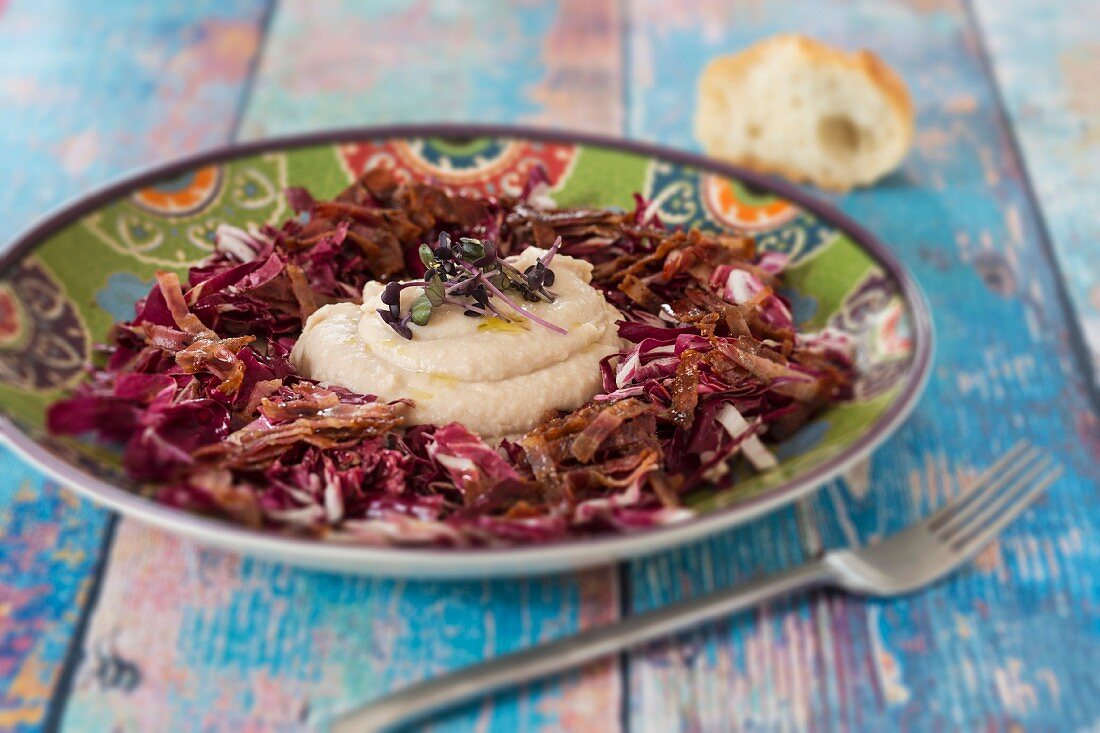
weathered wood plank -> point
(971, 653)
(1045, 57)
(218, 642)
(88, 90)
(48, 559)
(981, 650)
(553, 62)
(92, 91)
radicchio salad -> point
(704, 369)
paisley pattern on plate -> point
(172, 222)
(717, 202)
(88, 272)
(186, 194)
(875, 315)
(43, 343)
(740, 205)
(479, 166)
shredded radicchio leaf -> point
(198, 390)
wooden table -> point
(108, 625)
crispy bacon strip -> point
(324, 460)
(259, 443)
(606, 422)
(195, 347)
(303, 293)
(217, 356)
(187, 321)
(685, 389)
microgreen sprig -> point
(470, 274)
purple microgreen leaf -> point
(525, 313)
(391, 294)
(400, 325)
(490, 256)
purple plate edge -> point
(347, 555)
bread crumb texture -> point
(807, 111)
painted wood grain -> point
(552, 62)
(1007, 643)
(193, 639)
(88, 91)
(218, 642)
(1046, 59)
(91, 90)
(215, 642)
(51, 543)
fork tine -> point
(975, 503)
(994, 519)
(994, 500)
(979, 486)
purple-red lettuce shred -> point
(198, 392)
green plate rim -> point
(491, 561)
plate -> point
(67, 279)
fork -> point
(903, 562)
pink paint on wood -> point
(583, 85)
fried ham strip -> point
(200, 389)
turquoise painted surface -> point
(50, 548)
(191, 639)
(1047, 71)
(94, 89)
(262, 646)
(89, 90)
(225, 643)
(544, 61)
(1004, 644)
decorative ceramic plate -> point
(68, 279)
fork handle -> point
(424, 699)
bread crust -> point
(719, 73)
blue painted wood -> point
(229, 643)
(551, 62)
(1046, 68)
(1008, 642)
(223, 643)
(210, 641)
(89, 90)
(51, 544)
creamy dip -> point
(495, 377)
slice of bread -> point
(807, 111)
